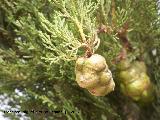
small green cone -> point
(134, 81)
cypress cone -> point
(134, 81)
(93, 74)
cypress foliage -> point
(40, 41)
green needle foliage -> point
(40, 41)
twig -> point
(122, 35)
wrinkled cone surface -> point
(93, 74)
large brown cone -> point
(93, 74)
